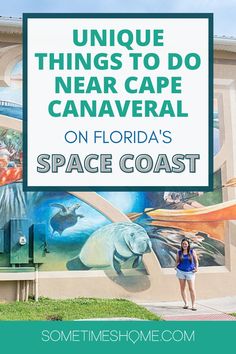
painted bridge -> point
(10, 109)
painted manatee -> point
(112, 245)
(65, 218)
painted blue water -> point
(40, 207)
(15, 112)
(12, 203)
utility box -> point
(40, 245)
(19, 241)
(1, 241)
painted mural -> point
(77, 237)
(10, 140)
(10, 156)
(65, 233)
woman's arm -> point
(177, 261)
(195, 261)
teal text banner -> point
(116, 337)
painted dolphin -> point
(112, 245)
(65, 218)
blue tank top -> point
(185, 264)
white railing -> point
(9, 104)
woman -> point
(187, 266)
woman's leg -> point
(182, 283)
(192, 292)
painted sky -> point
(224, 10)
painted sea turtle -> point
(65, 218)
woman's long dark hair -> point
(188, 250)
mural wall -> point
(65, 233)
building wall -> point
(154, 279)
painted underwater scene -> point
(73, 228)
(70, 222)
(166, 242)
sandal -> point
(194, 309)
(185, 307)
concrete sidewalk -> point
(217, 309)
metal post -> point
(27, 291)
(18, 290)
(36, 282)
